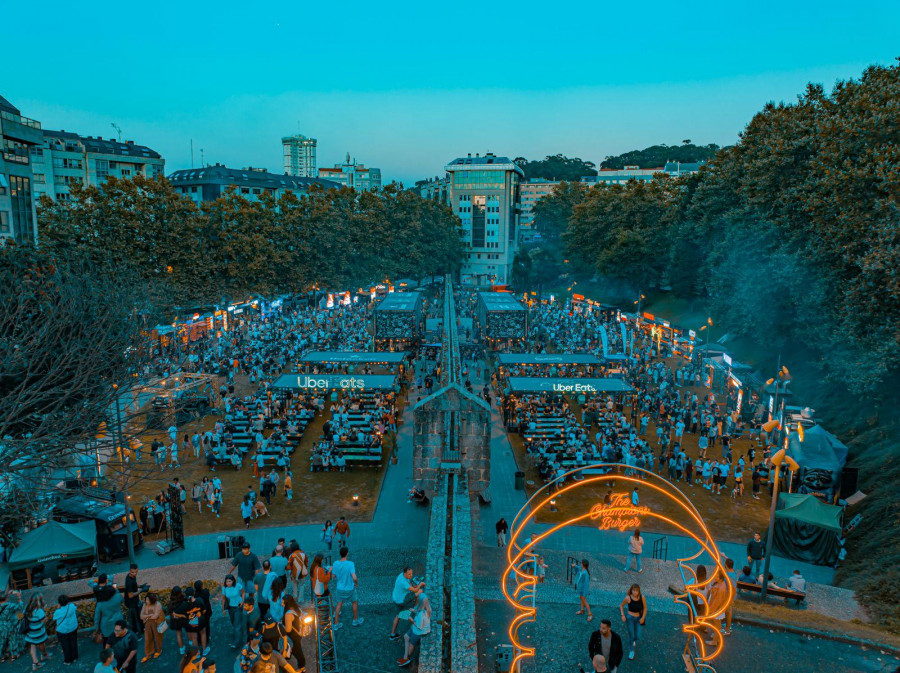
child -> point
(288, 486)
(541, 569)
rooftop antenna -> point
(118, 130)
(201, 158)
(192, 152)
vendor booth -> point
(806, 529)
(537, 384)
(56, 551)
(399, 317)
(500, 316)
(820, 466)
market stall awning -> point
(537, 384)
(54, 540)
(353, 357)
(546, 359)
(334, 382)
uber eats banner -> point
(334, 382)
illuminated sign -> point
(620, 513)
(334, 382)
(727, 358)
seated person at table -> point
(317, 464)
(746, 577)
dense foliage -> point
(556, 167)
(793, 238)
(658, 155)
(233, 247)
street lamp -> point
(779, 458)
(709, 323)
(126, 499)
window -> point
(15, 152)
(245, 190)
(22, 216)
(126, 173)
(4, 222)
(39, 178)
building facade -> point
(352, 174)
(18, 136)
(484, 192)
(530, 193)
(434, 189)
(64, 159)
(299, 156)
(209, 183)
(619, 176)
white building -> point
(64, 159)
(529, 194)
(299, 156)
(484, 192)
(211, 182)
(352, 174)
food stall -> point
(54, 552)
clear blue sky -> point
(409, 86)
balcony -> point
(19, 128)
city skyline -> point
(411, 105)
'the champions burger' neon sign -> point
(620, 513)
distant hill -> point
(557, 167)
(658, 155)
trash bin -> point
(520, 481)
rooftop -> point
(488, 159)
(399, 301)
(102, 146)
(250, 177)
(6, 106)
(500, 301)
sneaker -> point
(337, 627)
(358, 622)
(403, 662)
(206, 651)
(641, 570)
(631, 654)
(394, 637)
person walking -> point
(583, 587)
(232, 602)
(756, 553)
(346, 588)
(293, 624)
(607, 643)
(342, 528)
(246, 563)
(502, 529)
(152, 616)
(260, 585)
(633, 609)
(404, 597)
(320, 577)
(124, 645)
(298, 565)
(420, 625)
(635, 546)
(107, 662)
(66, 619)
(328, 534)
(12, 642)
(107, 610)
(36, 633)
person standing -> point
(404, 596)
(342, 528)
(633, 609)
(108, 608)
(607, 643)
(346, 588)
(132, 600)
(278, 562)
(298, 565)
(152, 616)
(635, 546)
(107, 662)
(246, 563)
(232, 600)
(260, 583)
(124, 646)
(756, 553)
(502, 529)
(583, 587)
(36, 634)
(12, 642)
(420, 618)
(66, 619)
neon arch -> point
(702, 617)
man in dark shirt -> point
(756, 552)
(124, 645)
(608, 643)
(246, 563)
(259, 581)
(133, 600)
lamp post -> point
(779, 458)
(126, 498)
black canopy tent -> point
(55, 544)
(399, 316)
(499, 315)
(353, 357)
(348, 382)
(549, 359)
(537, 384)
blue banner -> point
(605, 340)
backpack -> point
(298, 565)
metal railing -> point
(661, 548)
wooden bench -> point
(786, 594)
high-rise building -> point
(484, 192)
(299, 156)
(529, 194)
(352, 174)
(210, 182)
(18, 136)
(434, 189)
(64, 159)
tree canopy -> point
(557, 167)
(657, 156)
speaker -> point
(849, 479)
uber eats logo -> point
(324, 382)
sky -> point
(407, 87)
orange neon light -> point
(621, 514)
